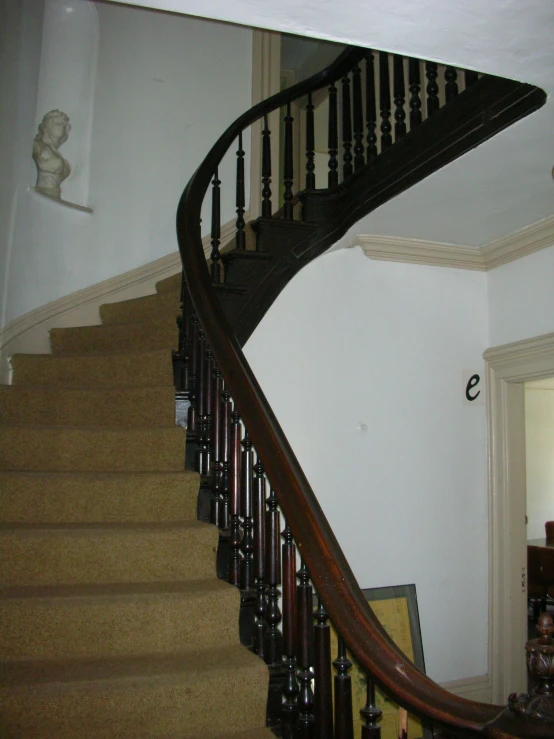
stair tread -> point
(100, 475)
(29, 673)
(113, 590)
(95, 528)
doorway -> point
(508, 368)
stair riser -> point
(147, 336)
(197, 703)
(117, 626)
(151, 369)
(151, 307)
(87, 407)
(88, 450)
(81, 557)
(32, 499)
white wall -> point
(521, 299)
(353, 340)
(167, 86)
(539, 446)
(20, 46)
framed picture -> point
(396, 609)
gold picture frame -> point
(396, 608)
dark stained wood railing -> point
(261, 554)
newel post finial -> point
(539, 703)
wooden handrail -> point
(330, 572)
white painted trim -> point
(414, 251)
(266, 65)
(533, 238)
(507, 368)
(30, 332)
(471, 688)
(537, 236)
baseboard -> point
(472, 688)
(29, 334)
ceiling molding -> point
(533, 238)
(414, 251)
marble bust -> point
(52, 168)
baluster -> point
(346, 129)
(344, 724)
(470, 77)
(305, 651)
(384, 95)
(291, 690)
(208, 391)
(183, 323)
(225, 443)
(371, 713)
(246, 508)
(259, 556)
(310, 145)
(217, 471)
(273, 647)
(323, 698)
(192, 425)
(451, 86)
(358, 117)
(266, 170)
(399, 97)
(289, 167)
(371, 109)
(200, 400)
(240, 241)
(333, 138)
(215, 256)
(432, 88)
(415, 87)
(235, 500)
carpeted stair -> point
(113, 621)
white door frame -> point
(507, 368)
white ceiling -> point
(504, 185)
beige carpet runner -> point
(113, 624)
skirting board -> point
(507, 249)
(472, 688)
(29, 334)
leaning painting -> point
(396, 609)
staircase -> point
(113, 621)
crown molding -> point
(537, 236)
(414, 251)
(501, 251)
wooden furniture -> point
(549, 529)
(541, 552)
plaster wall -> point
(539, 442)
(353, 341)
(521, 301)
(20, 47)
(167, 86)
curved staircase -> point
(113, 621)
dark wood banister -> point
(330, 572)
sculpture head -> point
(52, 168)
(53, 129)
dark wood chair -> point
(546, 562)
(549, 529)
(537, 588)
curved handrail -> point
(330, 572)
